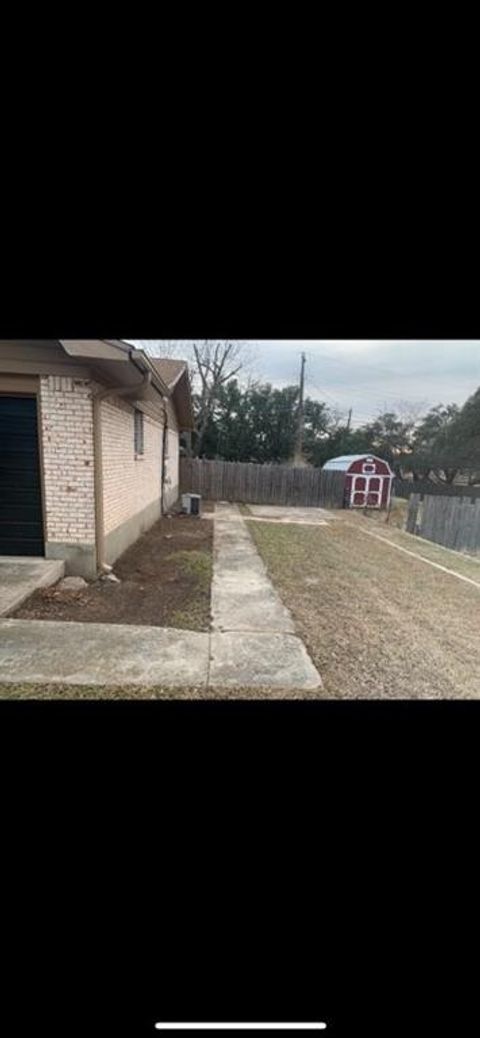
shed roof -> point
(343, 463)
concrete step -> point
(20, 576)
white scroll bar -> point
(320, 1026)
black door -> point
(21, 525)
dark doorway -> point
(21, 520)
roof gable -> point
(169, 370)
(175, 374)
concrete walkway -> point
(20, 576)
(290, 514)
(252, 643)
(243, 596)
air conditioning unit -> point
(191, 504)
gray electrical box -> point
(191, 504)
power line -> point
(370, 391)
(324, 393)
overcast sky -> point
(369, 376)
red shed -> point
(368, 480)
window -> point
(138, 431)
(368, 468)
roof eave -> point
(143, 360)
(102, 352)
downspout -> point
(97, 399)
(164, 445)
(133, 354)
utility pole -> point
(349, 420)
(298, 454)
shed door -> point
(374, 491)
(366, 491)
(21, 523)
(359, 491)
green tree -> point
(257, 423)
(447, 442)
(318, 424)
(389, 436)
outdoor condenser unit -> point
(191, 504)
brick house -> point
(89, 447)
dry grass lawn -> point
(56, 690)
(377, 622)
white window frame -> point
(138, 433)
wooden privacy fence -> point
(405, 487)
(261, 484)
(451, 521)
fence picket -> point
(451, 521)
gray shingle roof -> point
(169, 369)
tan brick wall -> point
(67, 447)
(129, 483)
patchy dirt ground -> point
(377, 622)
(165, 581)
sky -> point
(368, 376)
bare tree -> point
(216, 361)
(411, 412)
(212, 362)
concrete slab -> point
(291, 514)
(243, 596)
(250, 660)
(20, 576)
(291, 522)
(252, 645)
(242, 606)
(101, 654)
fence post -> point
(413, 504)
